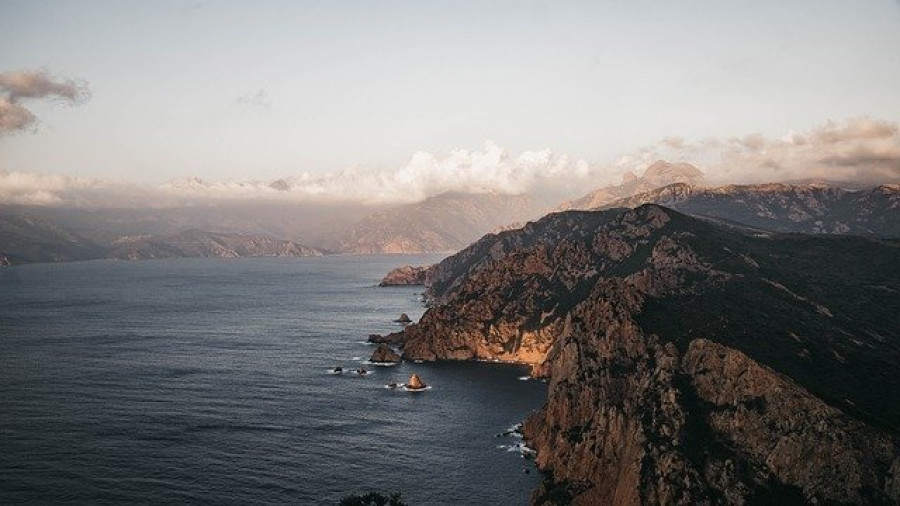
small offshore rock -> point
(415, 383)
(384, 354)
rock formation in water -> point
(404, 318)
(689, 363)
(406, 276)
(415, 383)
(395, 338)
(384, 354)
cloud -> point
(14, 117)
(858, 150)
(259, 98)
(17, 86)
(862, 151)
(37, 189)
(491, 169)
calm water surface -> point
(204, 380)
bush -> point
(373, 499)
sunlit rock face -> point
(406, 275)
(688, 363)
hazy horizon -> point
(398, 101)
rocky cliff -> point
(405, 276)
(688, 363)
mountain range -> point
(446, 222)
(803, 208)
(658, 174)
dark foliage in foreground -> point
(373, 499)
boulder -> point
(384, 353)
(404, 318)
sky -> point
(267, 90)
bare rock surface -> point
(384, 354)
(688, 363)
(406, 275)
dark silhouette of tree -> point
(373, 499)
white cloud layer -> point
(862, 151)
(859, 150)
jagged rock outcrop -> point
(384, 354)
(689, 364)
(406, 275)
(415, 383)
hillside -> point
(197, 243)
(29, 237)
(26, 239)
(446, 222)
(804, 208)
(688, 363)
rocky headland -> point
(407, 275)
(688, 363)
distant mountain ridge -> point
(660, 173)
(198, 243)
(807, 208)
(444, 223)
(26, 238)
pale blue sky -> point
(368, 83)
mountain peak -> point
(662, 170)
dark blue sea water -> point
(204, 381)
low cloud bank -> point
(34, 85)
(861, 151)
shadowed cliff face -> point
(688, 363)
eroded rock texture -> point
(408, 275)
(689, 364)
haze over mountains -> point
(443, 223)
(443, 203)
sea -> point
(208, 381)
